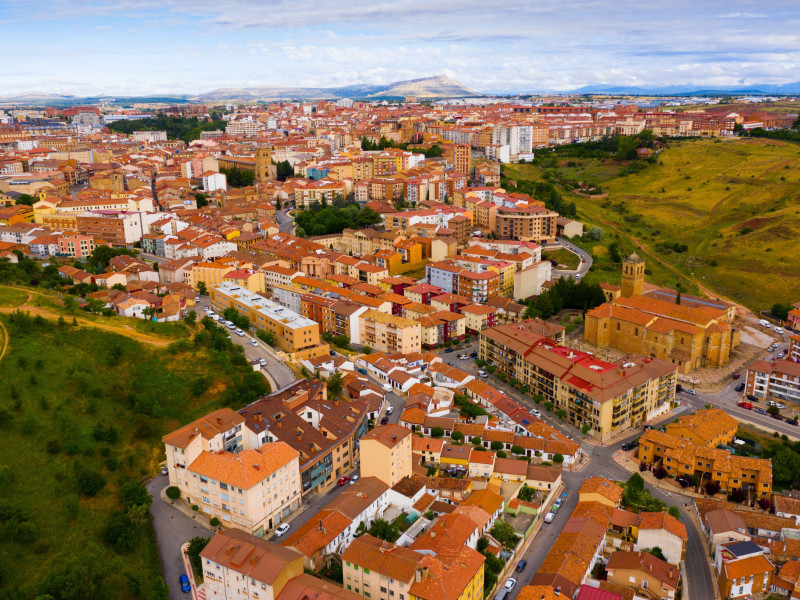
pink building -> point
(75, 245)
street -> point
(583, 266)
(172, 528)
(285, 221)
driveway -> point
(172, 528)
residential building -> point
(659, 529)
(386, 453)
(743, 569)
(389, 333)
(379, 570)
(710, 427)
(647, 575)
(778, 379)
(239, 566)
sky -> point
(135, 47)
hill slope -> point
(429, 87)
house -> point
(787, 506)
(722, 526)
(659, 529)
(386, 453)
(647, 575)
(599, 489)
(742, 569)
(543, 477)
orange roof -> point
(247, 468)
(662, 520)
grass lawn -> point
(566, 259)
(77, 400)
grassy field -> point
(565, 258)
(80, 403)
(11, 297)
(733, 204)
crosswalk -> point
(201, 592)
(587, 449)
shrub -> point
(659, 472)
(173, 493)
(196, 545)
(712, 487)
(437, 432)
(674, 511)
(89, 482)
(558, 458)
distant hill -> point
(428, 87)
(689, 90)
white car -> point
(353, 479)
(779, 330)
(239, 332)
(483, 373)
(548, 518)
(510, 583)
(775, 404)
(389, 410)
(262, 362)
(463, 356)
(282, 528)
(215, 317)
(254, 343)
(197, 298)
(536, 413)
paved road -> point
(583, 267)
(172, 528)
(285, 221)
(282, 374)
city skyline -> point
(175, 47)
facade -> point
(386, 453)
(389, 333)
(742, 569)
(529, 224)
(779, 379)
(709, 427)
(647, 575)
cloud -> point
(105, 28)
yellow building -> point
(386, 453)
(294, 334)
(602, 490)
(708, 427)
(693, 334)
(389, 333)
(210, 273)
(681, 457)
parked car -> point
(239, 332)
(342, 481)
(483, 373)
(780, 355)
(463, 356)
(184, 581)
(361, 370)
(536, 413)
(474, 355)
(779, 417)
(779, 330)
(760, 411)
(449, 350)
(386, 387)
(775, 404)
(510, 583)
(521, 566)
(548, 518)
(752, 398)
(746, 405)
(646, 427)
(764, 323)
(558, 502)
(691, 392)
(740, 387)
(630, 445)
(331, 352)
(254, 343)
(384, 420)
(792, 422)
(735, 376)
(164, 470)
(389, 410)
(262, 362)
(197, 298)
(282, 528)
(353, 479)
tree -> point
(505, 534)
(773, 410)
(135, 493)
(712, 487)
(384, 530)
(476, 441)
(659, 472)
(195, 508)
(214, 522)
(437, 432)
(483, 543)
(266, 336)
(781, 311)
(561, 414)
(201, 200)
(517, 450)
(558, 458)
(497, 446)
(674, 511)
(657, 552)
(119, 286)
(334, 385)
(201, 288)
(120, 533)
(190, 318)
(457, 436)
(738, 495)
(366, 350)
(764, 503)
(342, 341)
(173, 493)
(149, 312)
(786, 466)
(196, 545)
(89, 482)
(643, 466)
(586, 428)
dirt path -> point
(4, 334)
(741, 311)
(44, 312)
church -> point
(689, 331)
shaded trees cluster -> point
(565, 293)
(323, 219)
(238, 178)
(183, 128)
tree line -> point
(180, 128)
(323, 218)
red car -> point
(746, 405)
(342, 481)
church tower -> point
(632, 276)
(264, 168)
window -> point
(366, 571)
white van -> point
(548, 518)
(779, 330)
(764, 323)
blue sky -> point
(191, 46)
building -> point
(379, 570)
(239, 566)
(778, 379)
(683, 458)
(528, 224)
(659, 529)
(691, 335)
(647, 575)
(386, 453)
(608, 397)
(294, 334)
(389, 333)
(75, 245)
(742, 569)
(602, 490)
(709, 427)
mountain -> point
(428, 87)
(689, 90)
(439, 86)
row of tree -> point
(323, 218)
(182, 128)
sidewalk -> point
(181, 505)
(198, 591)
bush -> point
(659, 473)
(120, 532)
(437, 432)
(712, 487)
(738, 495)
(457, 436)
(517, 450)
(173, 493)
(558, 458)
(196, 545)
(89, 482)
(642, 466)
(674, 511)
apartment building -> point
(389, 333)
(478, 286)
(609, 397)
(708, 427)
(532, 223)
(683, 458)
(379, 570)
(326, 432)
(75, 245)
(294, 334)
(647, 575)
(386, 453)
(238, 566)
(779, 379)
